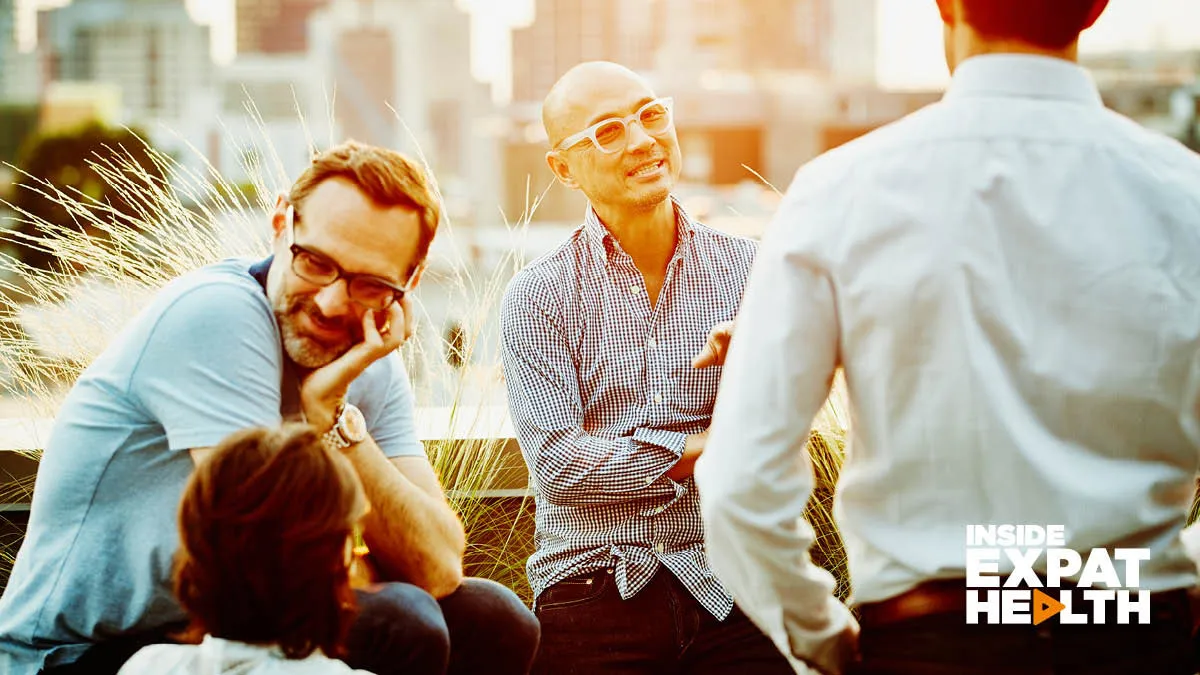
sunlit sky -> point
(909, 54)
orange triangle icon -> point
(1044, 607)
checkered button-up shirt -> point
(603, 397)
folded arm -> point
(568, 465)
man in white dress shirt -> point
(1010, 281)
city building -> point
(20, 77)
(70, 105)
(153, 53)
(760, 86)
(850, 47)
(151, 49)
(567, 32)
(398, 74)
(273, 114)
(686, 41)
(274, 26)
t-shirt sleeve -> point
(210, 366)
(385, 396)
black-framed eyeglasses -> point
(364, 289)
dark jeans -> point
(481, 627)
(944, 644)
(587, 628)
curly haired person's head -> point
(265, 526)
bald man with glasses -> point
(599, 341)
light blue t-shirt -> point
(202, 361)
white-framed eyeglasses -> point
(612, 134)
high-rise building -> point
(151, 49)
(274, 26)
(783, 34)
(146, 59)
(568, 32)
(19, 74)
(397, 73)
(681, 39)
(851, 42)
(822, 36)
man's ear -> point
(279, 215)
(560, 169)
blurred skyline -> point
(909, 49)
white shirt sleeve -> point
(755, 476)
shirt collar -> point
(260, 270)
(1023, 76)
(229, 652)
(604, 246)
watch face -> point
(352, 424)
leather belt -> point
(928, 599)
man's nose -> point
(638, 138)
(334, 300)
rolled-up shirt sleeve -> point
(755, 476)
(568, 465)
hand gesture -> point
(324, 390)
(713, 353)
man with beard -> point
(598, 339)
(311, 331)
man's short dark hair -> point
(1051, 24)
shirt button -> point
(651, 343)
(660, 547)
(634, 289)
(658, 398)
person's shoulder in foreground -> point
(215, 656)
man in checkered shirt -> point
(598, 339)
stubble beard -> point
(304, 349)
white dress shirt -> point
(1010, 279)
(215, 656)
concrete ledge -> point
(19, 436)
(433, 424)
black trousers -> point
(588, 629)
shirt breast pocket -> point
(695, 391)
